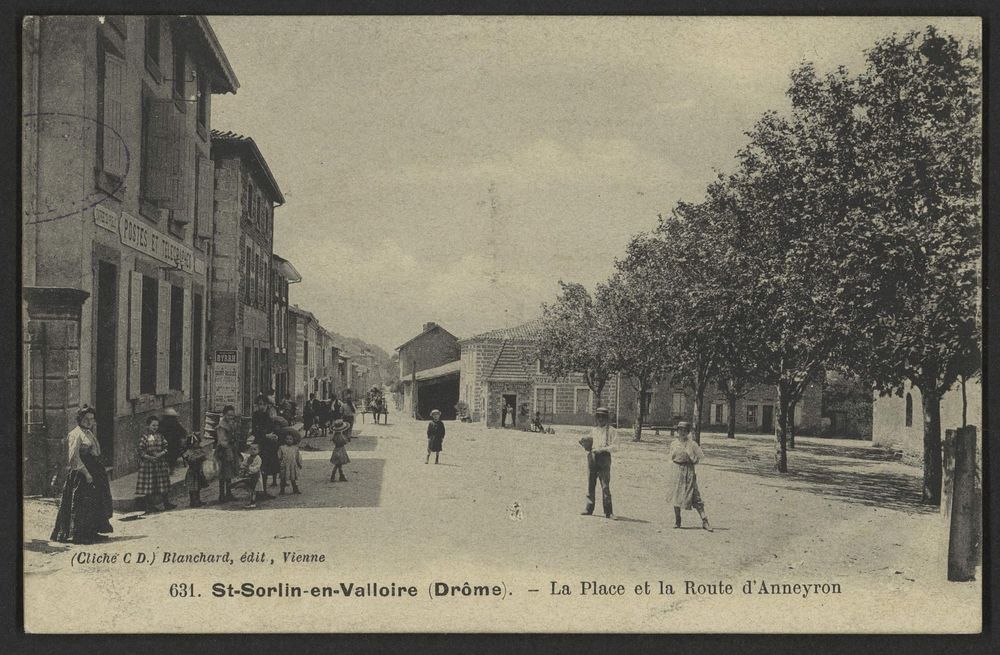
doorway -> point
(767, 418)
(508, 410)
(105, 391)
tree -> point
(909, 217)
(573, 340)
(636, 320)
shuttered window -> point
(148, 335)
(204, 197)
(164, 148)
(136, 314)
(163, 338)
(110, 143)
(176, 355)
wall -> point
(889, 428)
(430, 349)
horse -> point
(375, 403)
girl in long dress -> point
(685, 453)
(154, 472)
(85, 507)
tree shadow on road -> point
(855, 476)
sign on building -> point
(225, 379)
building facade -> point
(118, 186)
(283, 274)
(246, 195)
(429, 372)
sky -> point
(454, 169)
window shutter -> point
(183, 207)
(114, 146)
(206, 197)
(186, 328)
(163, 338)
(135, 333)
(160, 183)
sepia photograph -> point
(501, 324)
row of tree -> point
(847, 237)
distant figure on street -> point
(349, 410)
(153, 482)
(288, 409)
(85, 506)
(290, 460)
(310, 412)
(250, 472)
(536, 423)
(602, 443)
(435, 436)
(685, 453)
(339, 457)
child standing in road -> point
(339, 457)
(290, 461)
(435, 436)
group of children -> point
(289, 463)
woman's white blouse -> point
(80, 437)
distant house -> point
(429, 372)
(500, 368)
(898, 421)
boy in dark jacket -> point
(435, 436)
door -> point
(767, 418)
(508, 412)
(196, 355)
(107, 339)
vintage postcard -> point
(501, 324)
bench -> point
(656, 429)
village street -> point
(845, 514)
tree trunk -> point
(699, 399)
(781, 429)
(731, 434)
(965, 403)
(791, 426)
(639, 407)
(932, 445)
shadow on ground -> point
(851, 474)
(363, 488)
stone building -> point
(246, 194)
(429, 372)
(500, 368)
(117, 227)
(301, 353)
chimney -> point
(429, 325)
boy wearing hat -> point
(435, 436)
(602, 442)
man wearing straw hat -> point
(599, 445)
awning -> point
(451, 368)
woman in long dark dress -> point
(85, 507)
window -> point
(582, 400)
(153, 43)
(147, 353)
(247, 378)
(545, 403)
(305, 353)
(678, 403)
(538, 366)
(752, 414)
(247, 281)
(176, 336)
(110, 144)
(909, 410)
(718, 412)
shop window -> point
(147, 353)
(176, 337)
